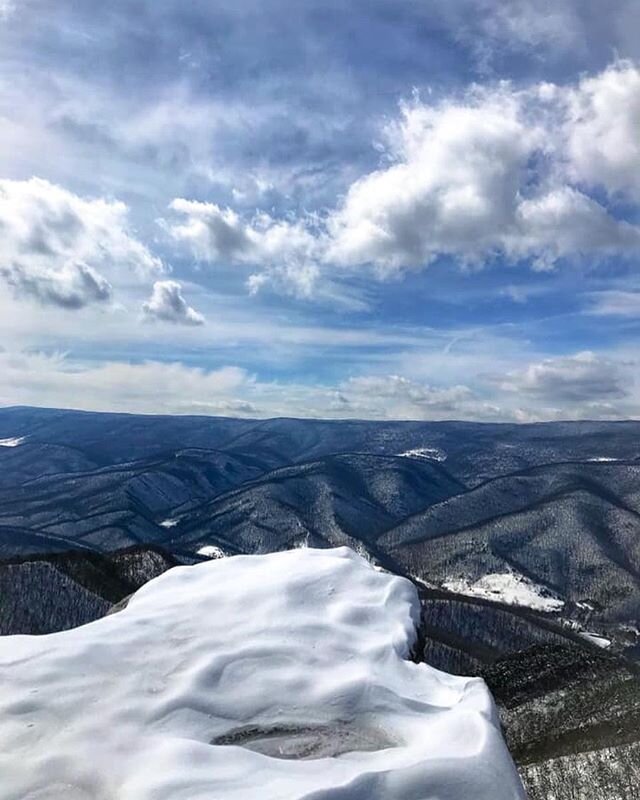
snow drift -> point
(279, 676)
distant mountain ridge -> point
(473, 451)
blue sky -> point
(382, 209)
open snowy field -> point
(282, 676)
(507, 587)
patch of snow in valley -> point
(507, 587)
(428, 453)
(595, 638)
(15, 441)
(417, 579)
(602, 459)
(169, 523)
(211, 551)
(298, 686)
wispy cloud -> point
(580, 386)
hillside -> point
(572, 531)
(339, 499)
(55, 592)
(117, 506)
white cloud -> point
(73, 285)
(564, 223)
(453, 187)
(571, 387)
(581, 378)
(402, 389)
(462, 185)
(603, 129)
(154, 387)
(63, 250)
(288, 249)
(55, 380)
(616, 303)
(211, 233)
(233, 408)
(167, 304)
(496, 172)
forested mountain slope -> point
(335, 500)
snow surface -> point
(596, 638)
(211, 551)
(429, 453)
(169, 523)
(16, 441)
(507, 587)
(302, 653)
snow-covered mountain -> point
(522, 540)
(284, 676)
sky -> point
(391, 209)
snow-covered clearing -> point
(428, 453)
(280, 676)
(507, 587)
(596, 638)
(211, 551)
(169, 523)
(15, 441)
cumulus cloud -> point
(212, 233)
(462, 184)
(452, 187)
(402, 389)
(64, 250)
(584, 377)
(72, 286)
(603, 129)
(496, 172)
(167, 304)
(288, 249)
(564, 222)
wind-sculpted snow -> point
(282, 677)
